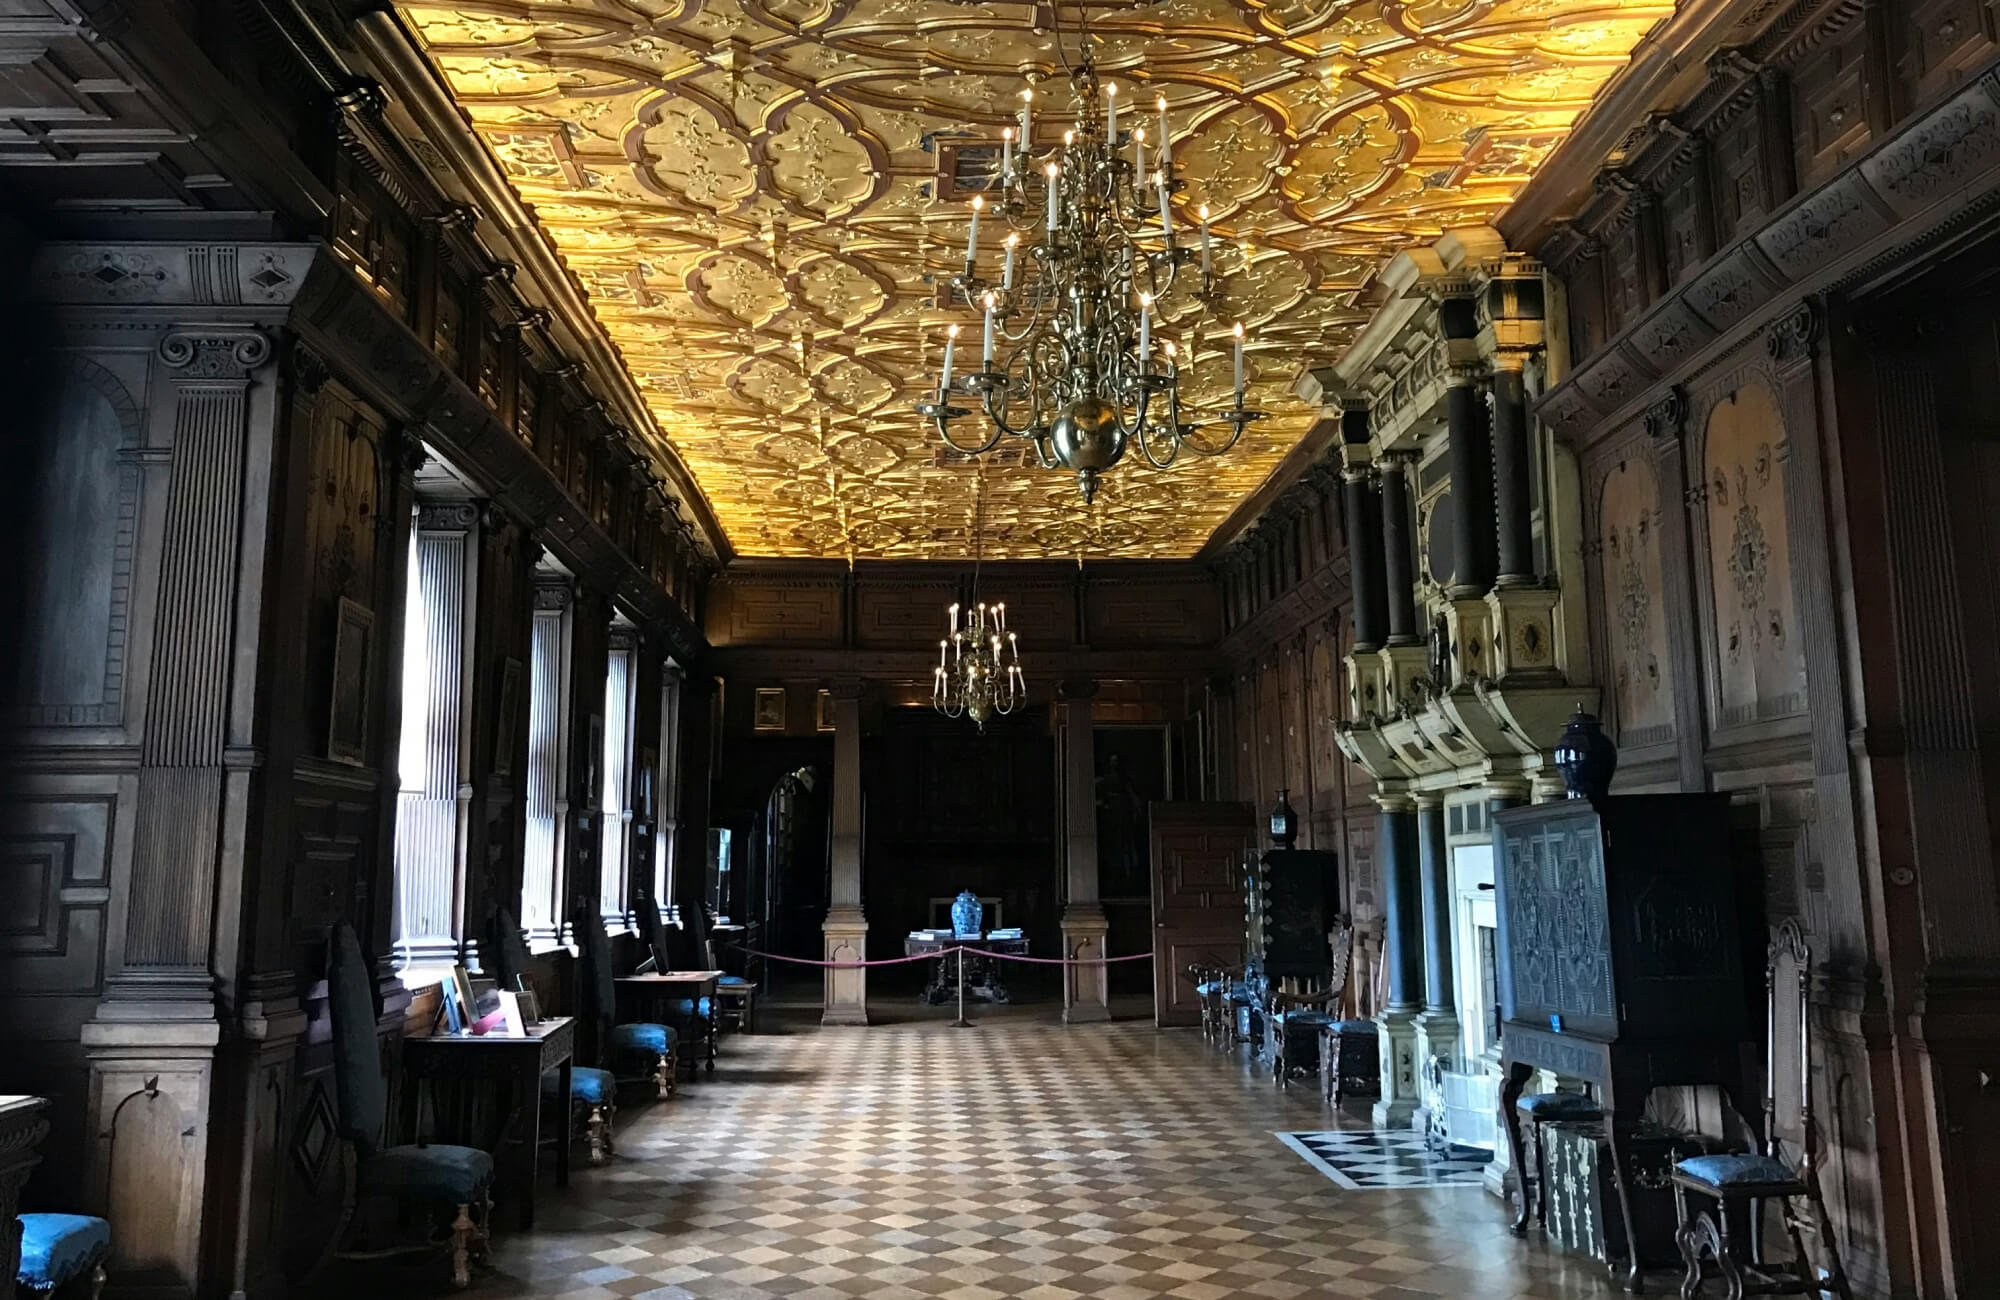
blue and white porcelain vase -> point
(966, 913)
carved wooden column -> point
(1473, 526)
(1086, 989)
(845, 927)
(1403, 953)
(151, 1046)
(1511, 471)
(1361, 498)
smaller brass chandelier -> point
(978, 671)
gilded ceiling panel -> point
(759, 197)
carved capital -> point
(1793, 336)
(448, 516)
(1666, 417)
(362, 97)
(215, 351)
(554, 594)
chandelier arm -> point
(1000, 426)
(944, 431)
(1235, 433)
(1146, 448)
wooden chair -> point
(1755, 1178)
(1299, 1012)
(456, 1182)
(735, 996)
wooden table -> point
(982, 971)
(23, 1124)
(455, 1068)
(648, 998)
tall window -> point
(614, 803)
(548, 761)
(430, 849)
(667, 836)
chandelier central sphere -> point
(1068, 360)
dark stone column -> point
(1473, 527)
(1435, 875)
(1402, 905)
(1364, 535)
(1399, 550)
(1511, 471)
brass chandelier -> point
(978, 671)
(1067, 356)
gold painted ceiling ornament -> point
(658, 140)
(1066, 346)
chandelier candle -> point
(1239, 362)
(1066, 356)
(1006, 153)
(951, 341)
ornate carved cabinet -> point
(1621, 960)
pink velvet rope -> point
(942, 952)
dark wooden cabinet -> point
(1621, 930)
(1298, 901)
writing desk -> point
(454, 1068)
(650, 997)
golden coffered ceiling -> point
(750, 190)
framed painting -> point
(770, 714)
(823, 711)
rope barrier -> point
(941, 952)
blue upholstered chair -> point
(58, 1249)
(1724, 1181)
(454, 1182)
(638, 1051)
(1350, 1060)
(694, 1019)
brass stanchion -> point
(961, 1022)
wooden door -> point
(1197, 898)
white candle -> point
(951, 341)
(1027, 120)
(1138, 151)
(986, 347)
(1051, 169)
(1007, 271)
(1000, 615)
(1239, 365)
(1206, 265)
(1166, 207)
(1006, 153)
(1145, 329)
(972, 236)
(1111, 114)
(1161, 104)
(941, 646)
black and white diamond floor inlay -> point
(1381, 1159)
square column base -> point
(1436, 1036)
(1397, 1105)
(1087, 988)
(845, 997)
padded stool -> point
(595, 1092)
(57, 1249)
(1350, 1060)
(656, 1044)
(738, 997)
(1541, 1109)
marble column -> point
(1437, 1027)
(1086, 989)
(846, 928)
(1362, 498)
(1473, 536)
(1402, 954)
(1399, 550)
(1512, 473)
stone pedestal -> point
(1087, 988)
(1436, 1035)
(1522, 622)
(845, 1000)
(1397, 1105)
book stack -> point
(1013, 932)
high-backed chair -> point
(675, 950)
(1300, 1010)
(736, 995)
(454, 1182)
(637, 1051)
(1756, 1177)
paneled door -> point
(1198, 853)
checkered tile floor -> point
(1383, 1161)
(1020, 1159)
